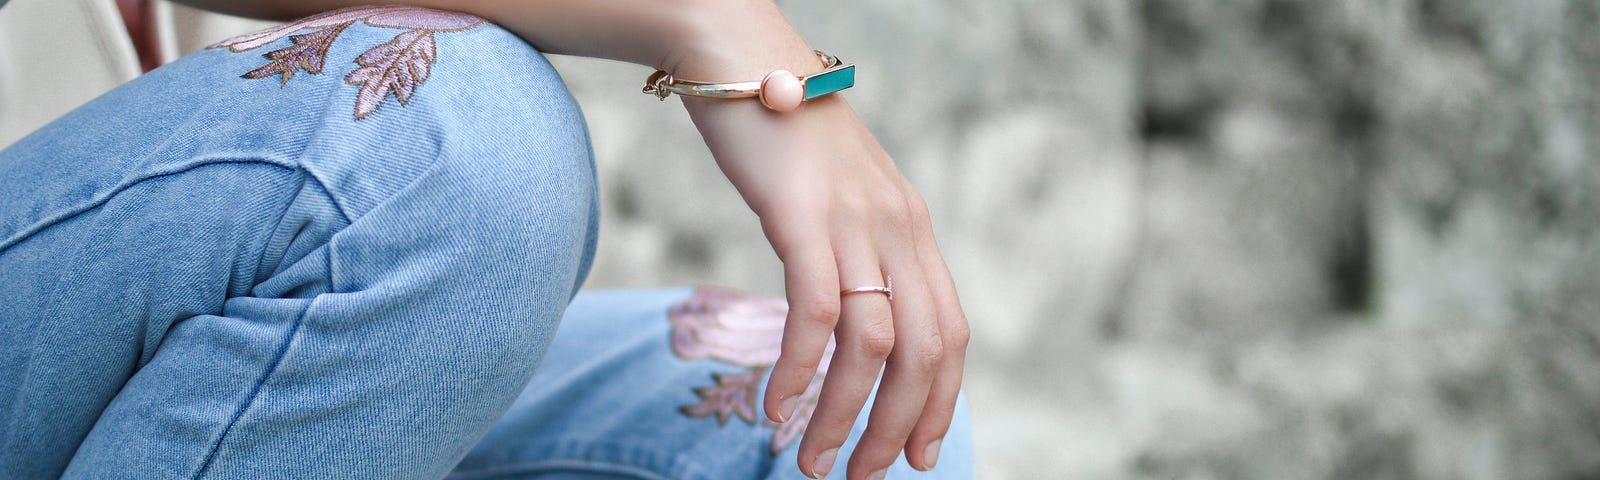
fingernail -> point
(786, 410)
(824, 463)
(878, 475)
(930, 454)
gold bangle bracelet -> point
(835, 76)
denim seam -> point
(325, 124)
(282, 214)
(337, 203)
(101, 200)
(645, 460)
(144, 356)
(558, 465)
(184, 126)
(294, 330)
(255, 391)
(307, 176)
(326, 193)
(330, 96)
(333, 198)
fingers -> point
(811, 285)
(910, 370)
(922, 448)
(866, 336)
(916, 342)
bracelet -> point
(780, 90)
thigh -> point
(90, 297)
(665, 384)
(345, 263)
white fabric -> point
(196, 29)
(58, 54)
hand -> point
(840, 215)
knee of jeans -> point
(471, 72)
(438, 94)
(374, 102)
(495, 89)
(391, 73)
(516, 131)
(490, 105)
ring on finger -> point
(887, 289)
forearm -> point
(720, 40)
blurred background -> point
(1264, 239)
(1274, 239)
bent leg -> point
(666, 384)
(322, 274)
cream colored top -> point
(58, 54)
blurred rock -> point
(1371, 226)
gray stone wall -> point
(1210, 239)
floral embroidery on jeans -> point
(747, 331)
(396, 68)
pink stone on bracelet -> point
(782, 91)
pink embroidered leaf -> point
(308, 53)
(734, 394)
(741, 329)
(424, 19)
(409, 18)
(733, 327)
(729, 326)
(788, 432)
(395, 68)
(259, 39)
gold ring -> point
(886, 290)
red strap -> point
(139, 16)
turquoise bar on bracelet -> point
(829, 81)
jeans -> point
(349, 263)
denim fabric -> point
(607, 403)
(208, 276)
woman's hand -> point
(840, 216)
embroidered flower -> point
(307, 53)
(734, 394)
(747, 331)
(396, 68)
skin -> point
(831, 202)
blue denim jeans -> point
(349, 263)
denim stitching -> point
(283, 349)
(101, 200)
(558, 465)
(647, 460)
(282, 213)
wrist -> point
(738, 40)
